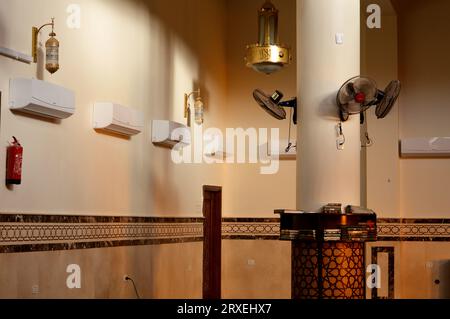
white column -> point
(324, 173)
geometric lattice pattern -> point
(343, 270)
(20, 233)
(329, 270)
(305, 270)
(415, 231)
(252, 229)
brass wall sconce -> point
(267, 56)
(51, 48)
(198, 107)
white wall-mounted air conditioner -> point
(425, 147)
(169, 134)
(41, 98)
(116, 118)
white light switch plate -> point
(339, 38)
(35, 289)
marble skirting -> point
(413, 229)
(251, 228)
(389, 229)
(27, 233)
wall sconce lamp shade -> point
(51, 48)
(267, 56)
(198, 107)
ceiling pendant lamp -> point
(267, 56)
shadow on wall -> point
(181, 54)
(40, 67)
(192, 28)
(327, 108)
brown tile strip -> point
(249, 220)
(26, 218)
(26, 233)
(251, 237)
(91, 245)
(413, 220)
(389, 229)
(424, 239)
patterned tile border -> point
(388, 229)
(414, 230)
(22, 233)
(26, 233)
(251, 228)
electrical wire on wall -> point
(368, 142)
(289, 146)
(340, 141)
(128, 278)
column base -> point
(328, 270)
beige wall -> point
(247, 192)
(379, 50)
(139, 54)
(256, 269)
(417, 273)
(145, 55)
(424, 69)
(409, 47)
(251, 269)
(161, 271)
(136, 53)
(65, 171)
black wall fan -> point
(273, 104)
(359, 93)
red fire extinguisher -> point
(14, 154)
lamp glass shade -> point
(52, 54)
(198, 111)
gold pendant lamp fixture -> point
(267, 56)
(51, 48)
